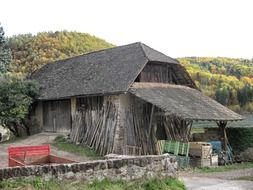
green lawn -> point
(61, 143)
(235, 166)
(144, 184)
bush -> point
(235, 108)
(240, 138)
(16, 97)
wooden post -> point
(223, 137)
(73, 108)
(170, 74)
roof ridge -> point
(97, 51)
(156, 84)
(144, 52)
(143, 46)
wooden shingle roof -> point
(107, 71)
(182, 101)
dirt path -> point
(204, 183)
(37, 139)
(232, 174)
(218, 180)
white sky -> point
(175, 27)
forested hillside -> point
(229, 81)
(30, 52)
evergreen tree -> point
(222, 96)
(245, 95)
(5, 53)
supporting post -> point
(222, 126)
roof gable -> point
(154, 55)
(103, 72)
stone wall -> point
(126, 168)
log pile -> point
(111, 127)
(95, 127)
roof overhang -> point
(183, 102)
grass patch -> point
(61, 143)
(143, 184)
(235, 166)
(14, 139)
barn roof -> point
(183, 102)
(103, 72)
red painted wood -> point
(27, 151)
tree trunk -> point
(27, 129)
(14, 129)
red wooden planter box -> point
(33, 155)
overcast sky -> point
(175, 27)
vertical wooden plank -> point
(73, 106)
(73, 109)
(151, 120)
(170, 74)
(47, 117)
(39, 115)
(63, 116)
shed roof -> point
(106, 71)
(184, 102)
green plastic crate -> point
(183, 161)
(171, 147)
(183, 149)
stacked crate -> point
(201, 154)
(180, 150)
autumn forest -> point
(228, 80)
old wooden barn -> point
(122, 100)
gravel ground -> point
(218, 180)
(37, 139)
(233, 174)
(204, 183)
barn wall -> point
(36, 118)
(155, 73)
(135, 117)
(56, 116)
(39, 115)
(165, 73)
(119, 124)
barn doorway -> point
(57, 116)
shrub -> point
(16, 97)
(240, 138)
